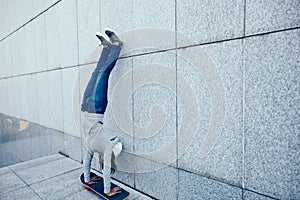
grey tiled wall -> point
(238, 59)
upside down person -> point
(93, 108)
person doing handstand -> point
(93, 108)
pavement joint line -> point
(18, 176)
(54, 176)
(45, 178)
(27, 185)
(29, 161)
(14, 189)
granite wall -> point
(205, 96)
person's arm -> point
(108, 171)
(87, 166)
(107, 166)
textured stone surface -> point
(63, 185)
(22, 141)
(271, 114)
(4, 19)
(224, 160)
(160, 15)
(20, 59)
(17, 95)
(38, 143)
(154, 85)
(251, 195)
(43, 97)
(53, 37)
(262, 16)
(138, 16)
(68, 33)
(64, 188)
(39, 6)
(11, 19)
(161, 183)
(13, 53)
(49, 3)
(23, 193)
(64, 36)
(114, 118)
(57, 141)
(206, 21)
(192, 186)
(55, 100)
(40, 43)
(22, 97)
(5, 64)
(33, 98)
(82, 194)
(120, 18)
(29, 62)
(13, 97)
(44, 169)
(19, 13)
(125, 168)
(13, 181)
(4, 96)
(69, 78)
(36, 162)
(17, 57)
(73, 147)
(88, 21)
(10, 96)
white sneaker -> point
(117, 149)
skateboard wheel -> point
(87, 188)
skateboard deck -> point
(98, 188)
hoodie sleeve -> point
(87, 166)
(107, 167)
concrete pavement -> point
(51, 177)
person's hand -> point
(93, 180)
(114, 191)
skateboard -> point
(98, 188)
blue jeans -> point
(95, 94)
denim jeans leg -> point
(92, 82)
(100, 91)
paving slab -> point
(51, 177)
(23, 193)
(9, 181)
(44, 170)
(60, 186)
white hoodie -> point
(95, 141)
